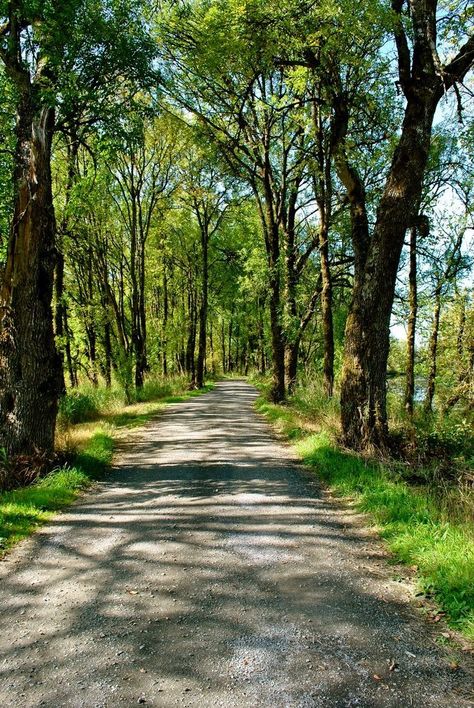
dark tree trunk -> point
(411, 332)
(230, 362)
(292, 356)
(326, 312)
(61, 309)
(191, 343)
(291, 339)
(278, 390)
(91, 332)
(92, 353)
(363, 385)
(237, 347)
(60, 313)
(261, 338)
(72, 369)
(224, 359)
(30, 368)
(211, 347)
(433, 353)
(201, 359)
(165, 321)
(108, 355)
(141, 359)
(278, 346)
(322, 183)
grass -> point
(90, 445)
(23, 510)
(418, 528)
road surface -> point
(209, 570)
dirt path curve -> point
(209, 571)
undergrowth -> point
(91, 422)
(426, 526)
(89, 403)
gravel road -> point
(210, 570)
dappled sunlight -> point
(209, 567)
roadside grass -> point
(420, 529)
(89, 445)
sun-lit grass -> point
(415, 521)
(23, 510)
(89, 445)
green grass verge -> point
(23, 510)
(410, 519)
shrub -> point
(77, 407)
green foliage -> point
(97, 455)
(77, 407)
(87, 403)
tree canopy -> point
(208, 187)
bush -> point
(87, 403)
(77, 407)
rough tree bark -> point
(423, 81)
(30, 368)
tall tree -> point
(45, 64)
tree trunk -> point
(413, 299)
(92, 353)
(60, 313)
(30, 368)
(322, 184)
(230, 363)
(191, 343)
(201, 359)
(141, 359)
(433, 353)
(261, 335)
(363, 386)
(108, 355)
(223, 350)
(61, 310)
(326, 311)
(292, 356)
(291, 345)
(165, 321)
(67, 348)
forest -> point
(281, 191)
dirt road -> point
(210, 571)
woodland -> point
(280, 190)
